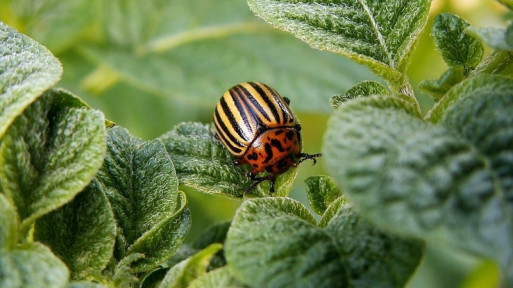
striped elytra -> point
(256, 125)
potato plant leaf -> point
(175, 49)
(140, 182)
(183, 273)
(456, 47)
(203, 163)
(281, 237)
(379, 34)
(429, 181)
(221, 277)
(50, 153)
(437, 88)
(496, 38)
(82, 233)
(9, 227)
(321, 191)
(27, 69)
(32, 265)
(373, 258)
(364, 88)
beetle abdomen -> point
(245, 110)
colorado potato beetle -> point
(257, 126)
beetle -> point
(257, 126)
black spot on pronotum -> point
(278, 132)
(269, 152)
(277, 144)
(290, 135)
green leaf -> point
(203, 163)
(493, 37)
(481, 113)
(9, 228)
(84, 284)
(456, 47)
(365, 88)
(82, 233)
(140, 182)
(56, 24)
(192, 40)
(427, 181)
(385, 30)
(273, 242)
(180, 275)
(27, 70)
(479, 86)
(213, 234)
(32, 265)
(321, 192)
(437, 88)
(50, 153)
(164, 239)
(497, 62)
(142, 17)
(220, 277)
(373, 258)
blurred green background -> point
(149, 65)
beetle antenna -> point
(305, 156)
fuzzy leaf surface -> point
(429, 181)
(50, 153)
(372, 257)
(183, 273)
(481, 113)
(321, 192)
(140, 182)
(203, 163)
(9, 227)
(27, 69)
(456, 47)
(364, 88)
(221, 277)
(280, 236)
(32, 265)
(493, 37)
(379, 34)
(82, 233)
(437, 88)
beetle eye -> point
(297, 127)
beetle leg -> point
(304, 156)
(271, 189)
(258, 180)
(287, 100)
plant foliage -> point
(84, 203)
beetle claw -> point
(305, 156)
